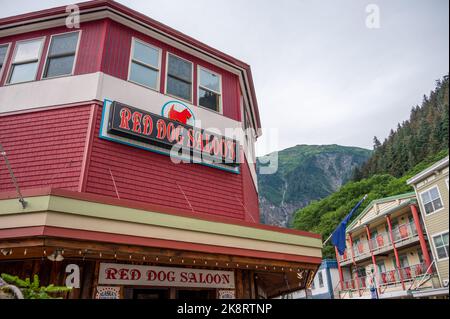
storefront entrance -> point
(200, 294)
(166, 293)
(150, 293)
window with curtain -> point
(61, 55)
(209, 90)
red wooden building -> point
(93, 99)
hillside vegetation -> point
(424, 134)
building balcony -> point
(389, 283)
(403, 235)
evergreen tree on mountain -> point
(425, 133)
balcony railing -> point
(408, 273)
(401, 233)
(387, 278)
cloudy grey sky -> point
(321, 76)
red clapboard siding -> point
(90, 47)
(152, 178)
(250, 194)
(117, 57)
(44, 148)
(88, 58)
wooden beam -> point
(109, 250)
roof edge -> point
(428, 171)
(379, 201)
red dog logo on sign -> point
(179, 112)
(181, 117)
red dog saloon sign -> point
(171, 131)
(137, 275)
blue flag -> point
(338, 236)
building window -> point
(419, 253)
(61, 55)
(145, 65)
(26, 61)
(381, 267)
(441, 245)
(3, 52)
(209, 90)
(320, 279)
(431, 200)
(179, 78)
(403, 261)
(361, 272)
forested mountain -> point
(424, 134)
(305, 173)
(412, 147)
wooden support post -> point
(423, 244)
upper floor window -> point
(3, 51)
(145, 65)
(381, 267)
(320, 276)
(209, 90)
(179, 77)
(441, 245)
(403, 261)
(431, 200)
(61, 55)
(25, 61)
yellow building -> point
(431, 186)
(387, 248)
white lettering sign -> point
(123, 274)
(73, 277)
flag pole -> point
(329, 237)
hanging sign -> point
(137, 275)
(172, 131)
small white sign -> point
(137, 275)
(108, 293)
(226, 294)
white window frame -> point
(158, 69)
(48, 51)
(320, 276)
(167, 76)
(434, 245)
(220, 110)
(8, 48)
(423, 205)
(16, 45)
